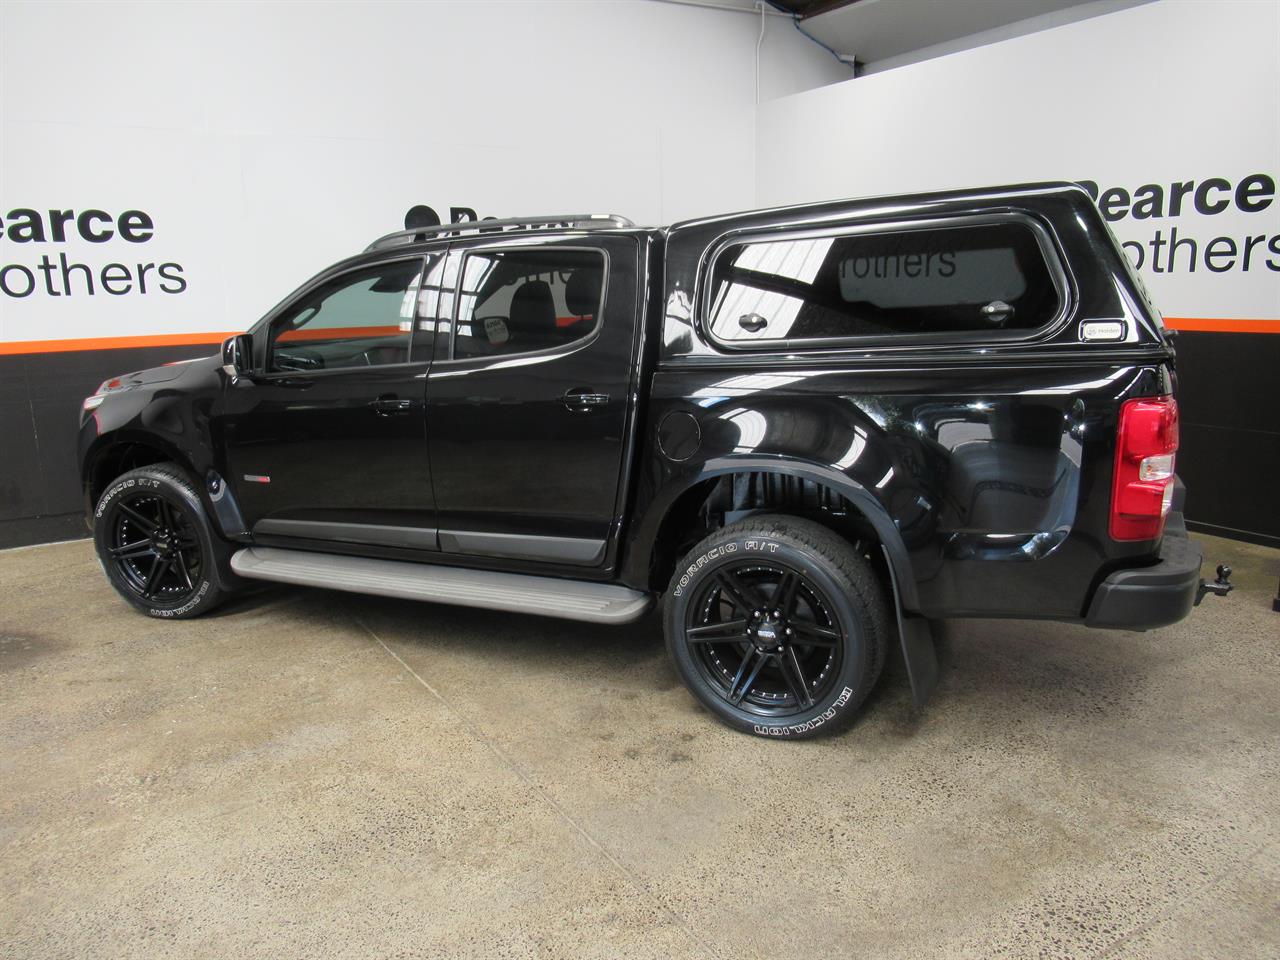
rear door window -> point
(527, 299)
(942, 282)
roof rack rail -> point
(574, 221)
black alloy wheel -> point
(155, 548)
(778, 626)
(764, 636)
(156, 544)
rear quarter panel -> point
(996, 481)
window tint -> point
(359, 319)
(516, 301)
(947, 280)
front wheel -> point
(778, 626)
(156, 544)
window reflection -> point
(955, 279)
(526, 300)
(751, 425)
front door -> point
(527, 403)
(326, 442)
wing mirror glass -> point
(237, 353)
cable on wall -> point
(845, 60)
(768, 8)
(759, 41)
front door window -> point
(359, 319)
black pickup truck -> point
(808, 430)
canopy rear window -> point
(940, 281)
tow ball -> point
(1220, 587)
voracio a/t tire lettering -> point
(809, 725)
(701, 562)
(185, 608)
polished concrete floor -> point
(314, 774)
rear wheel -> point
(778, 626)
(155, 543)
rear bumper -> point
(1146, 597)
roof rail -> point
(574, 221)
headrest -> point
(582, 292)
(533, 308)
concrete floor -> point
(324, 775)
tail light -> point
(1142, 492)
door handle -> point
(582, 400)
(390, 404)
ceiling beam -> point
(805, 10)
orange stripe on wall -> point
(111, 343)
(14, 348)
(1208, 325)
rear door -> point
(528, 399)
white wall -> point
(1171, 91)
(268, 140)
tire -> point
(748, 669)
(156, 545)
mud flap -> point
(226, 511)
(917, 646)
(921, 657)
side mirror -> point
(237, 354)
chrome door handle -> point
(581, 401)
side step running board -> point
(569, 599)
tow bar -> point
(1220, 587)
